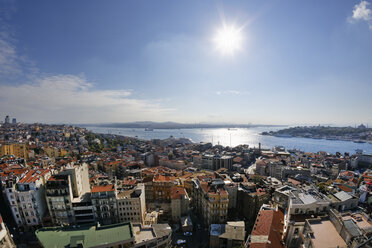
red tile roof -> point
(33, 175)
(161, 178)
(269, 223)
(177, 192)
(105, 188)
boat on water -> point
(149, 129)
(359, 141)
(232, 129)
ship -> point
(149, 129)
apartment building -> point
(58, 196)
(268, 230)
(214, 162)
(17, 149)
(211, 199)
(179, 202)
(158, 195)
(104, 203)
(131, 204)
(26, 198)
(68, 196)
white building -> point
(27, 199)
(68, 196)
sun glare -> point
(228, 40)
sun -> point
(228, 40)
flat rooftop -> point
(360, 220)
(143, 233)
(326, 235)
(86, 235)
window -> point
(296, 210)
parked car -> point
(187, 233)
(181, 242)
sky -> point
(297, 62)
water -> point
(249, 136)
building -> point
(14, 121)
(59, 199)
(321, 233)
(121, 235)
(131, 204)
(250, 201)
(179, 202)
(18, 149)
(27, 200)
(153, 236)
(215, 162)
(227, 235)
(343, 201)
(158, 195)
(104, 203)
(116, 235)
(7, 119)
(268, 230)
(211, 199)
(68, 196)
(308, 201)
(6, 240)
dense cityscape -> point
(186, 124)
(64, 186)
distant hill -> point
(359, 134)
(175, 125)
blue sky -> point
(300, 62)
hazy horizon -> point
(268, 63)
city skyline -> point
(294, 63)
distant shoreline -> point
(350, 134)
(173, 125)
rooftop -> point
(323, 230)
(268, 229)
(88, 236)
(103, 188)
(143, 233)
(33, 175)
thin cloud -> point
(70, 98)
(232, 92)
(361, 12)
